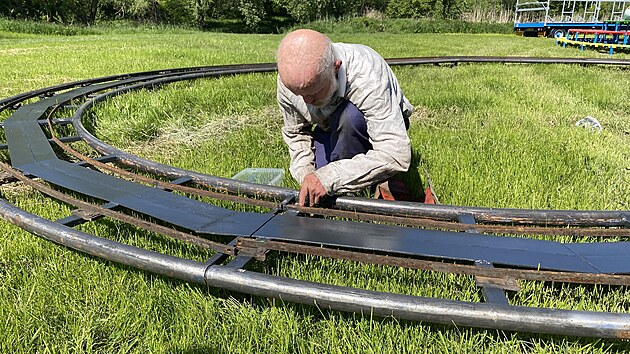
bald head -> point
(305, 60)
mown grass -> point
(491, 135)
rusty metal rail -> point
(249, 244)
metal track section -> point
(147, 201)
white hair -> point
(326, 64)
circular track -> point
(254, 234)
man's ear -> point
(337, 66)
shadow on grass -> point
(413, 178)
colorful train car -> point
(554, 18)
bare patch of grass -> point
(218, 128)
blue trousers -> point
(347, 136)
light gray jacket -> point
(368, 82)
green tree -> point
(410, 8)
(126, 9)
(252, 12)
(177, 12)
(304, 11)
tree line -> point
(200, 13)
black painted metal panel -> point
(517, 252)
(609, 257)
(27, 142)
(172, 208)
(25, 137)
(208, 219)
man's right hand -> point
(312, 191)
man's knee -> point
(352, 119)
(350, 135)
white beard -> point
(326, 100)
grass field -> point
(489, 135)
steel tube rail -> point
(489, 215)
(512, 318)
(484, 315)
(506, 60)
(407, 209)
(10, 101)
(4, 103)
(153, 262)
(234, 186)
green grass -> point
(489, 135)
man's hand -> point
(312, 190)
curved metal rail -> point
(355, 204)
(491, 315)
(513, 318)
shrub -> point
(410, 8)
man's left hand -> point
(311, 191)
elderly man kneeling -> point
(361, 117)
